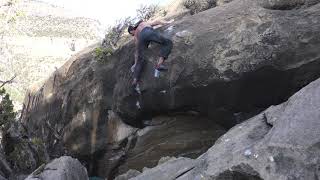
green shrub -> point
(37, 141)
(7, 114)
(196, 6)
(101, 53)
(116, 34)
(146, 12)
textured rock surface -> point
(178, 135)
(170, 136)
(5, 169)
(227, 58)
(280, 143)
(171, 169)
(64, 168)
(130, 174)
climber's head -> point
(131, 30)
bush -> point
(101, 52)
(7, 114)
(196, 6)
(116, 32)
(148, 12)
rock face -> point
(227, 64)
(180, 135)
(280, 143)
(226, 59)
(64, 168)
(5, 169)
(171, 169)
(128, 175)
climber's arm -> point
(160, 22)
(136, 52)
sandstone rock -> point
(287, 4)
(63, 168)
(171, 169)
(178, 135)
(5, 169)
(287, 148)
(222, 2)
(228, 60)
(181, 135)
(130, 174)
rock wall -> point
(280, 143)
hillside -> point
(40, 40)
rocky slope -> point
(228, 64)
(41, 39)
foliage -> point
(26, 156)
(114, 33)
(9, 15)
(196, 6)
(37, 141)
(147, 12)
(117, 33)
(7, 114)
(101, 52)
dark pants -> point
(146, 36)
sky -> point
(106, 11)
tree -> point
(7, 114)
(146, 12)
(8, 15)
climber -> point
(144, 33)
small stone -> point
(169, 29)
(137, 88)
(247, 153)
(271, 159)
(138, 105)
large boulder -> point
(63, 168)
(177, 135)
(230, 58)
(280, 143)
(171, 169)
(187, 136)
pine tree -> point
(7, 114)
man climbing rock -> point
(144, 33)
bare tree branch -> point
(7, 81)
